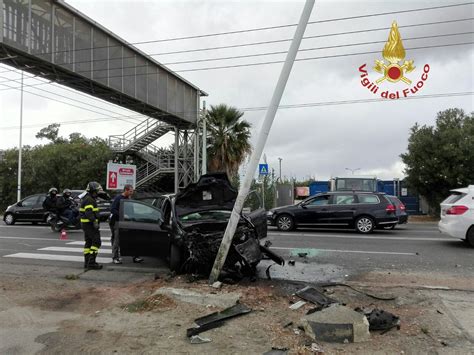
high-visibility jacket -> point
(89, 212)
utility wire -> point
(41, 82)
(75, 100)
(95, 60)
(309, 23)
(266, 63)
(302, 105)
(70, 104)
(308, 37)
(315, 58)
(311, 49)
(300, 50)
(270, 27)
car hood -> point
(211, 192)
(284, 207)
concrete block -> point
(335, 324)
(223, 300)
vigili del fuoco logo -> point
(393, 70)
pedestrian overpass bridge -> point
(53, 40)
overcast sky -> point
(316, 141)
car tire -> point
(55, 228)
(470, 236)
(9, 219)
(390, 227)
(285, 222)
(364, 224)
(175, 258)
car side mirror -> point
(303, 205)
(19, 204)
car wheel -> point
(175, 258)
(56, 228)
(390, 227)
(285, 222)
(364, 224)
(9, 219)
(470, 236)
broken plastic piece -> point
(216, 319)
(196, 339)
(291, 262)
(312, 295)
(297, 305)
(380, 319)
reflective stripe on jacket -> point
(89, 212)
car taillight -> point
(390, 208)
(457, 210)
(402, 207)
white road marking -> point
(74, 250)
(296, 235)
(55, 257)
(105, 244)
(347, 251)
(25, 238)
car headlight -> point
(270, 213)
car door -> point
(314, 211)
(38, 211)
(343, 208)
(254, 210)
(24, 210)
(140, 230)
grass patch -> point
(150, 304)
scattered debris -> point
(457, 265)
(219, 300)
(297, 305)
(196, 339)
(335, 324)
(316, 348)
(217, 284)
(381, 298)
(291, 262)
(277, 351)
(217, 319)
(312, 295)
(296, 331)
(380, 319)
(286, 325)
(439, 311)
(315, 309)
(72, 277)
(302, 255)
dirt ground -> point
(47, 314)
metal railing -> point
(137, 133)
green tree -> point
(441, 157)
(229, 139)
(63, 163)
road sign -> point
(119, 175)
(263, 169)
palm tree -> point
(229, 139)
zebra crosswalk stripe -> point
(55, 257)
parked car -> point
(30, 209)
(188, 227)
(457, 215)
(363, 211)
(400, 212)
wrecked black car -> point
(187, 229)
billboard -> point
(119, 175)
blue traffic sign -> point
(263, 169)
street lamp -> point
(353, 170)
(280, 159)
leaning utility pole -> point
(262, 138)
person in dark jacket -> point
(113, 223)
(66, 206)
(50, 203)
(89, 214)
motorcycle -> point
(58, 222)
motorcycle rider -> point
(51, 201)
(89, 213)
(66, 206)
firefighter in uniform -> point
(89, 214)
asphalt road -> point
(330, 254)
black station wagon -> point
(363, 211)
